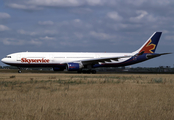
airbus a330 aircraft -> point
(84, 62)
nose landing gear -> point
(19, 70)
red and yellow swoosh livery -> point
(148, 48)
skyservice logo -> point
(25, 60)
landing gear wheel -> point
(88, 71)
(93, 71)
(80, 71)
(84, 71)
(19, 70)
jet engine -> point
(74, 66)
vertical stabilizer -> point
(150, 45)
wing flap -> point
(103, 60)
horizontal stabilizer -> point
(149, 56)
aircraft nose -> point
(2, 60)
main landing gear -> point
(87, 71)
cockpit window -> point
(8, 57)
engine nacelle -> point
(58, 69)
(74, 66)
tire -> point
(79, 71)
(94, 71)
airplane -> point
(84, 62)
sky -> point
(86, 26)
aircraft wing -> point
(97, 60)
(103, 60)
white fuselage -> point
(58, 57)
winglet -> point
(150, 45)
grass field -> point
(49, 96)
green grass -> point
(158, 80)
